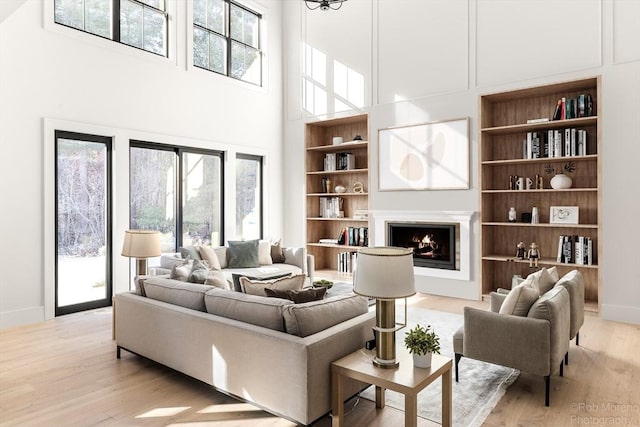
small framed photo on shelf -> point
(564, 214)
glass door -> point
(83, 222)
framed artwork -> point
(428, 156)
(564, 214)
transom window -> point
(137, 23)
(226, 39)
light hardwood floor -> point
(64, 372)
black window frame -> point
(260, 160)
(229, 41)
(106, 302)
(179, 150)
(115, 25)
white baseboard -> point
(621, 313)
(9, 319)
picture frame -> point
(564, 214)
(426, 156)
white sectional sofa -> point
(268, 351)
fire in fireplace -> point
(433, 244)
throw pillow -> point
(520, 299)
(181, 272)
(298, 297)
(189, 252)
(199, 272)
(236, 279)
(217, 279)
(208, 254)
(277, 255)
(264, 253)
(257, 287)
(554, 273)
(243, 254)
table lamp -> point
(141, 244)
(385, 273)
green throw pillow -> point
(199, 272)
(243, 254)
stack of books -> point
(347, 262)
(555, 143)
(575, 250)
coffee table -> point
(405, 379)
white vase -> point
(422, 360)
(561, 181)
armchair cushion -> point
(573, 282)
(519, 300)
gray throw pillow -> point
(243, 254)
(199, 272)
(190, 252)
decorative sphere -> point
(561, 181)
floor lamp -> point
(385, 273)
(141, 244)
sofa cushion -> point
(243, 254)
(276, 252)
(181, 272)
(168, 261)
(541, 309)
(190, 252)
(257, 287)
(312, 317)
(297, 296)
(208, 254)
(199, 272)
(264, 253)
(184, 294)
(519, 300)
(256, 310)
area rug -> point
(481, 384)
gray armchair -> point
(536, 343)
(573, 282)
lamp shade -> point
(384, 272)
(141, 244)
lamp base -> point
(141, 266)
(385, 334)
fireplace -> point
(433, 245)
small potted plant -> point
(322, 283)
(560, 180)
(422, 343)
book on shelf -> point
(354, 236)
(573, 108)
(540, 120)
(574, 249)
(329, 241)
(347, 261)
(330, 207)
(330, 162)
(345, 161)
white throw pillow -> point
(217, 279)
(256, 287)
(520, 299)
(181, 272)
(543, 280)
(208, 254)
(264, 252)
(554, 274)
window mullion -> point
(115, 26)
(228, 35)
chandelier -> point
(324, 4)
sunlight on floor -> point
(163, 412)
(231, 407)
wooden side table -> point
(405, 379)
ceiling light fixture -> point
(324, 4)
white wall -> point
(430, 60)
(52, 76)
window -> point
(178, 191)
(249, 196)
(226, 40)
(137, 23)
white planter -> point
(561, 181)
(422, 360)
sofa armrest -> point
(297, 257)
(519, 342)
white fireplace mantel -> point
(380, 218)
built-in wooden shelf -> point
(544, 261)
(545, 225)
